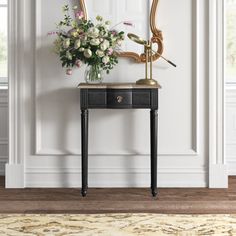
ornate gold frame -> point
(156, 37)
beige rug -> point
(117, 225)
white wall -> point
(3, 130)
(49, 118)
(230, 143)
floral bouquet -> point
(81, 41)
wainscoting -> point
(47, 113)
(44, 111)
(230, 121)
(230, 147)
(3, 130)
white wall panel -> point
(3, 130)
(119, 140)
(58, 99)
(230, 123)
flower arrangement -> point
(81, 41)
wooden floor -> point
(181, 201)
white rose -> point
(73, 33)
(81, 49)
(93, 32)
(100, 53)
(83, 43)
(84, 40)
(119, 42)
(77, 44)
(103, 33)
(105, 45)
(113, 38)
(66, 43)
(95, 42)
(87, 53)
(123, 36)
(105, 59)
(68, 55)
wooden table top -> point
(116, 86)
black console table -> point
(118, 96)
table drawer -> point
(141, 98)
(119, 99)
(97, 98)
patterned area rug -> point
(117, 225)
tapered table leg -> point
(84, 147)
(153, 131)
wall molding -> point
(3, 97)
(195, 75)
(194, 151)
(77, 170)
(115, 177)
(56, 152)
(4, 138)
(230, 96)
(22, 112)
(3, 141)
(230, 144)
(15, 176)
(18, 61)
(218, 177)
(231, 167)
(3, 161)
(5, 105)
(14, 50)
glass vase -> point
(93, 74)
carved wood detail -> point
(157, 37)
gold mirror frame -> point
(157, 37)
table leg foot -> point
(154, 192)
(84, 192)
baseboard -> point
(14, 176)
(100, 177)
(219, 175)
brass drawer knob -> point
(119, 99)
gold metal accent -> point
(148, 53)
(137, 39)
(157, 37)
(150, 82)
(119, 99)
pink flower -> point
(129, 23)
(114, 32)
(109, 51)
(79, 15)
(78, 63)
(69, 71)
(126, 22)
(52, 33)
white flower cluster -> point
(88, 43)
